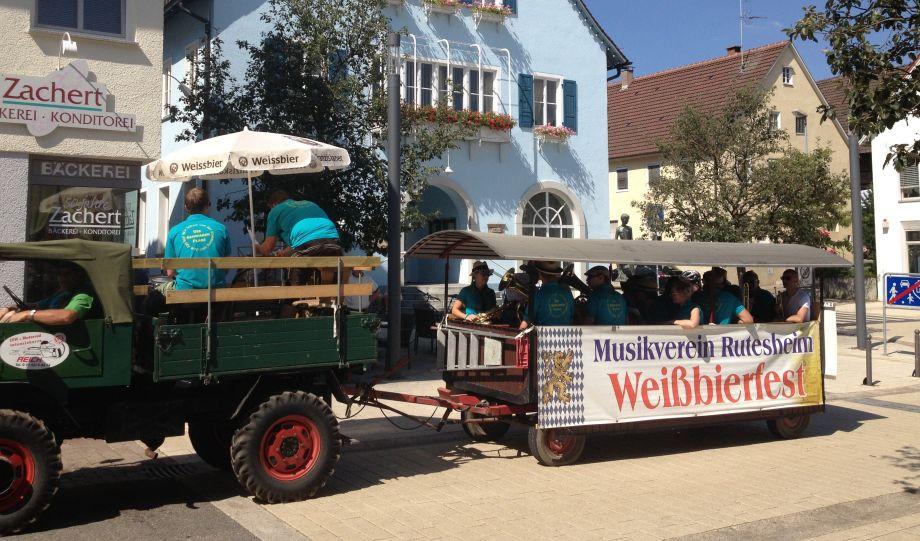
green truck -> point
(254, 394)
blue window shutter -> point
(102, 16)
(570, 105)
(525, 100)
(61, 13)
(512, 4)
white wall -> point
(14, 169)
(890, 247)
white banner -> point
(599, 375)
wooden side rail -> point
(267, 293)
(257, 262)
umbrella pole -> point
(252, 227)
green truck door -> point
(74, 351)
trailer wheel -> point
(491, 431)
(211, 441)
(288, 449)
(30, 469)
(787, 428)
(553, 447)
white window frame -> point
(542, 78)
(167, 86)
(907, 245)
(141, 222)
(788, 75)
(79, 29)
(547, 219)
(163, 213)
(438, 86)
(916, 169)
(776, 120)
(626, 173)
(192, 50)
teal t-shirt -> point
(476, 301)
(684, 310)
(198, 236)
(299, 222)
(607, 306)
(553, 305)
(727, 307)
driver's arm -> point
(48, 317)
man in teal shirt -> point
(553, 302)
(198, 236)
(303, 227)
(477, 297)
(606, 306)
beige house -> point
(642, 110)
(80, 112)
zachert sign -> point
(65, 98)
(599, 375)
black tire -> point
(491, 431)
(30, 469)
(212, 440)
(266, 451)
(553, 447)
(787, 428)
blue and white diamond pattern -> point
(556, 414)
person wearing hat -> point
(641, 292)
(763, 304)
(719, 306)
(477, 297)
(553, 303)
(606, 306)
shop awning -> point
(477, 245)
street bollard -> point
(868, 379)
(916, 373)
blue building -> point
(543, 62)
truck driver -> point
(477, 297)
(73, 301)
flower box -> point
(553, 134)
(490, 12)
(444, 7)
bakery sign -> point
(67, 98)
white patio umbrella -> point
(247, 154)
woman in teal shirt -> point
(688, 312)
(477, 297)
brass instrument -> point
(486, 317)
(509, 280)
(746, 296)
(568, 278)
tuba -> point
(509, 280)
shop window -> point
(90, 16)
(548, 215)
(910, 182)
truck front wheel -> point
(288, 449)
(30, 469)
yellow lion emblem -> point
(557, 367)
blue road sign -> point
(902, 290)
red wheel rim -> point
(290, 448)
(559, 443)
(17, 474)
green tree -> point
(728, 176)
(873, 43)
(318, 71)
(868, 228)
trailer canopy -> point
(474, 244)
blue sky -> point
(661, 34)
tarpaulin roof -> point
(474, 244)
(108, 265)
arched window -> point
(548, 215)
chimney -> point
(734, 49)
(627, 78)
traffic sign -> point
(902, 290)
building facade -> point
(642, 111)
(509, 181)
(80, 114)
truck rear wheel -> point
(787, 428)
(30, 469)
(288, 449)
(490, 431)
(212, 440)
(552, 447)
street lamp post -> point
(394, 241)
